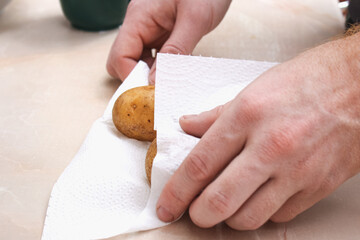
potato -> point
(150, 155)
(133, 113)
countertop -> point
(53, 86)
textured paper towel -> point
(104, 191)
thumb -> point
(186, 34)
(197, 125)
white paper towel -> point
(104, 191)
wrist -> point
(351, 53)
(348, 84)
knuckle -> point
(248, 111)
(287, 138)
(276, 143)
(218, 202)
(196, 168)
(280, 141)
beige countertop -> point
(53, 86)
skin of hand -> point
(170, 26)
(285, 142)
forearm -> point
(340, 87)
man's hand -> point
(284, 143)
(170, 26)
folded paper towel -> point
(104, 191)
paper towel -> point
(104, 191)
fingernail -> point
(151, 81)
(188, 117)
(164, 214)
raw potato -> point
(133, 113)
(150, 155)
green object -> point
(95, 15)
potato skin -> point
(133, 113)
(150, 155)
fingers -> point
(125, 53)
(147, 57)
(137, 35)
(197, 125)
(262, 205)
(300, 202)
(223, 197)
(152, 74)
(218, 146)
(187, 32)
(292, 207)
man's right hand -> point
(170, 26)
